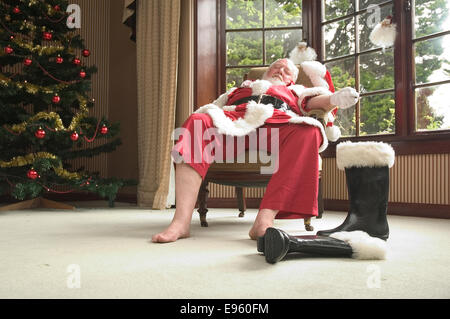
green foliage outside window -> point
(377, 112)
(245, 48)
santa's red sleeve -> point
(330, 88)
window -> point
(431, 50)
(258, 32)
(405, 89)
(354, 61)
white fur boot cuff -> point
(364, 154)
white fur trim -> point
(229, 108)
(333, 133)
(255, 116)
(302, 53)
(246, 84)
(364, 246)
(222, 100)
(316, 71)
(260, 87)
(297, 88)
(330, 117)
(364, 154)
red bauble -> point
(47, 36)
(56, 99)
(86, 53)
(104, 129)
(9, 50)
(57, 8)
(82, 74)
(59, 60)
(76, 61)
(16, 10)
(40, 133)
(27, 62)
(74, 136)
(32, 174)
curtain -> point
(164, 40)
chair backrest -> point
(257, 73)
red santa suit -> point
(293, 187)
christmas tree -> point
(44, 105)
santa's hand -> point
(345, 97)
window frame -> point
(222, 38)
(405, 140)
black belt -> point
(264, 99)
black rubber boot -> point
(276, 244)
(368, 190)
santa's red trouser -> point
(292, 189)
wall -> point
(113, 86)
(419, 186)
(95, 32)
(123, 97)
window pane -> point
(283, 13)
(377, 71)
(377, 114)
(339, 38)
(365, 3)
(334, 9)
(430, 16)
(433, 108)
(431, 57)
(244, 14)
(368, 21)
(235, 77)
(345, 120)
(280, 43)
(244, 48)
(342, 72)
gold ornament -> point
(61, 172)
(29, 159)
(26, 160)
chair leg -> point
(202, 202)
(308, 226)
(320, 199)
(241, 200)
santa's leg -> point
(187, 183)
(293, 188)
(188, 176)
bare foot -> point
(263, 220)
(172, 233)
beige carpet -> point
(106, 253)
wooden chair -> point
(247, 174)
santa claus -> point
(280, 107)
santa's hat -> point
(320, 77)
